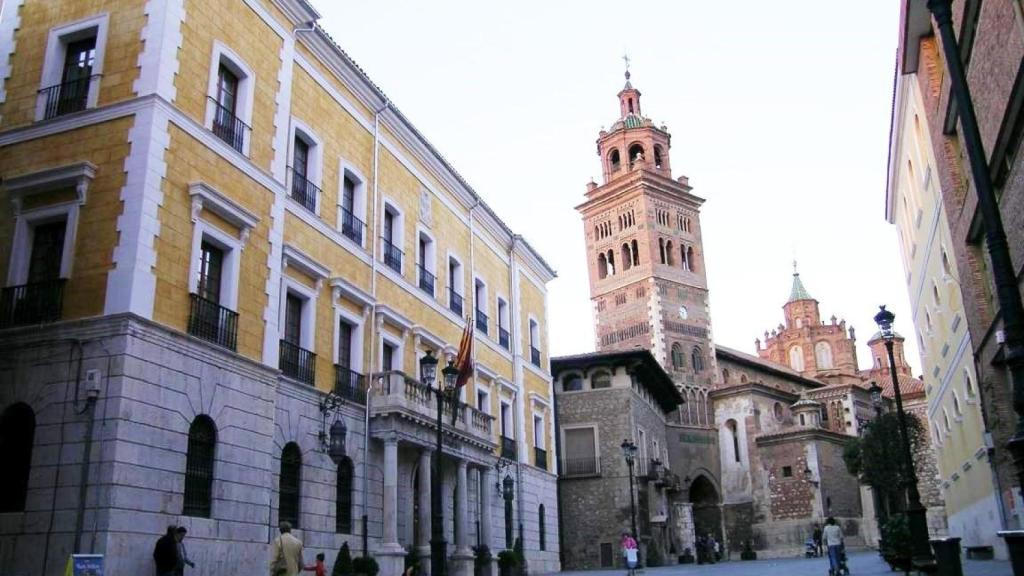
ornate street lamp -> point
(876, 397)
(443, 393)
(332, 441)
(508, 493)
(629, 453)
(916, 513)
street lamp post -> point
(1003, 270)
(876, 398)
(428, 375)
(629, 452)
(916, 513)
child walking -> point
(319, 569)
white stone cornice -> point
(294, 258)
(391, 316)
(428, 337)
(343, 288)
(539, 400)
(486, 372)
(205, 196)
(78, 176)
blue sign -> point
(85, 565)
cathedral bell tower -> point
(646, 260)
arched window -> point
(803, 421)
(779, 412)
(636, 254)
(601, 379)
(677, 356)
(614, 162)
(730, 426)
(611, 262)
(697, 359)
(627, 257)
(935, 293)
(17, 432)
(689, 259)
(796, 358)
(636, 153)
(289, 484)
(743, 378)
(541, 527)
(682, 258)
(202, 445)
(671, 260)
(725, 376)
(823, 355)
(657, 156)
(945, 262)
(957, 410)
(969, 390)
(602, 266)
(572, 383)
(343, 501)
(661, 247)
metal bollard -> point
(947, 556)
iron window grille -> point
(289, 490)
(227, 126)
(202, 442)
(35, 303)
(343, 500)
(213, 322)
(352, 227)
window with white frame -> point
(72, 67)
(229, 98)
(298, 330)
(352, 204)
(483, 402)
(348, 360)
(306, 167)
(534, 342)
(455, 282)
(503, 320)
(480, 303)
(969, 391)
(538, 431)
(392, 231)
(425, 262)
(507, 425)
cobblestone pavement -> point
(861, 564)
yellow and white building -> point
(955, 418)
(212, 219)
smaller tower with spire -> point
(826, 351)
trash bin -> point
(947, 556)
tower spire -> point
(798, 292)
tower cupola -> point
(633, 142)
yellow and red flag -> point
(464, 361)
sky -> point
(779, 114)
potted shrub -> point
(343, 562)
(365, 566)
(896, 537)
(481, 560)
(507, 563)
(748, 551)
(654, 555)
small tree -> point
(876, 459)
(343, 562)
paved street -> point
(861, 564)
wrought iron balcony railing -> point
(535, 356)
(227, 126)
(392, 255)
(352, 227)
(580, 466)
(349, 384)
(481, 321)
(508, 447)
(503, 337)
(426, 279)
(540, 458)
(212, 322)
(303, 191)
(34, 303)
(66, 98)
(455, 301)
(297, 362)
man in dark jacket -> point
(165, 554)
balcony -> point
(394, 392)
(535, 356)
(297, 363)
(503, 337)
(508, 447)
(66, 98)
(481, 321)
(352, 227)
(426, 279)
(580, 467)
(212, 322)
(349, 384)
(540, 458)
(455, 301)
(392, 255)
(35, 303)
(303, 191)
(228, 127)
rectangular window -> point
(538, 431)
(345, 344)
(454, 286)
(534, 343)
(389, 226)
(72, 95)
(580, 452)
(211, 267)
(387, 357)
(348, 195)
(300, 160)
(482, 402)
(227, 90)
(506, 420)
(392, 237)
(480, 302)
(503, 340)
(293, 319)
(787, 471)
(47, 251)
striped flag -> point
(464, 361)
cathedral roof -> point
(632, 121)
(798, 292)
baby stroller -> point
(810, 548)
(842, 569)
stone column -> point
(463, 556)
(486, 490)
(391, 555)
(423, 519)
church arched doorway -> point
(707, 515)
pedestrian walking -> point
(320, 570)
(286, 556)
(183, 559)
(833, 536)
(630, 551)
(817, 539)
(165, 553)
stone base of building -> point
(977, 525)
